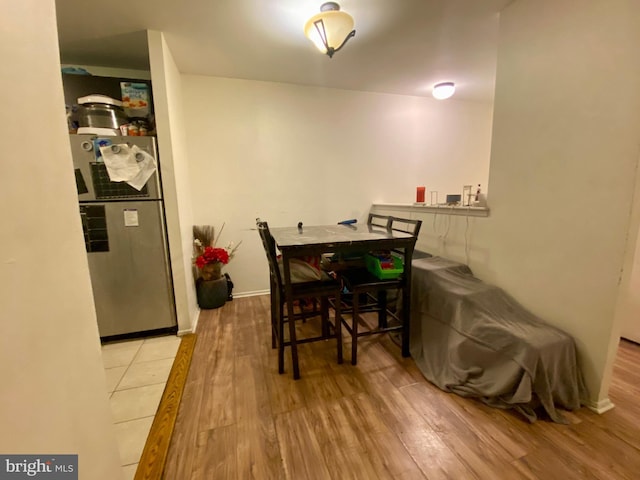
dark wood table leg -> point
(291, 315)
(406, 302)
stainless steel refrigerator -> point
(125, 238)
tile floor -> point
(136, 371)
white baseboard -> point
(185, 332)
(251, 294)
(600, 406)
(194, 324)
(194, 321)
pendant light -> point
(443, 90)
(330, 29)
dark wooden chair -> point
(369, 293)
(324, 290)
(378, 220)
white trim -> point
(438, 209)
(251, 294)
(185, 332)
(194, 324)
(601, 406)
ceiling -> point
(400, 46)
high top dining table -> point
(317, 240)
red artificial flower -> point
(212, 255)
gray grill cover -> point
(472, 339)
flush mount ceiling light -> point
(330, 29)
(443, 90)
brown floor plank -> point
(181, 458)
(258, 454)
(299, 447)
(215, 454)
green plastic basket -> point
(373, 265)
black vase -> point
(212, 293)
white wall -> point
(170, 125)
(563, 167)
(630, 310)
(53, 395)
(288, 153)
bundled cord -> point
(466, 240)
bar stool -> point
(370, 292)
(324, 290)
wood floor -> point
(240, 419)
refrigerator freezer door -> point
(129, 266)
(92, 178)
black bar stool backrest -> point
(405, 225)
(269, 245)
(379, 220)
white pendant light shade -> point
(330, 29)
(444, 90)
